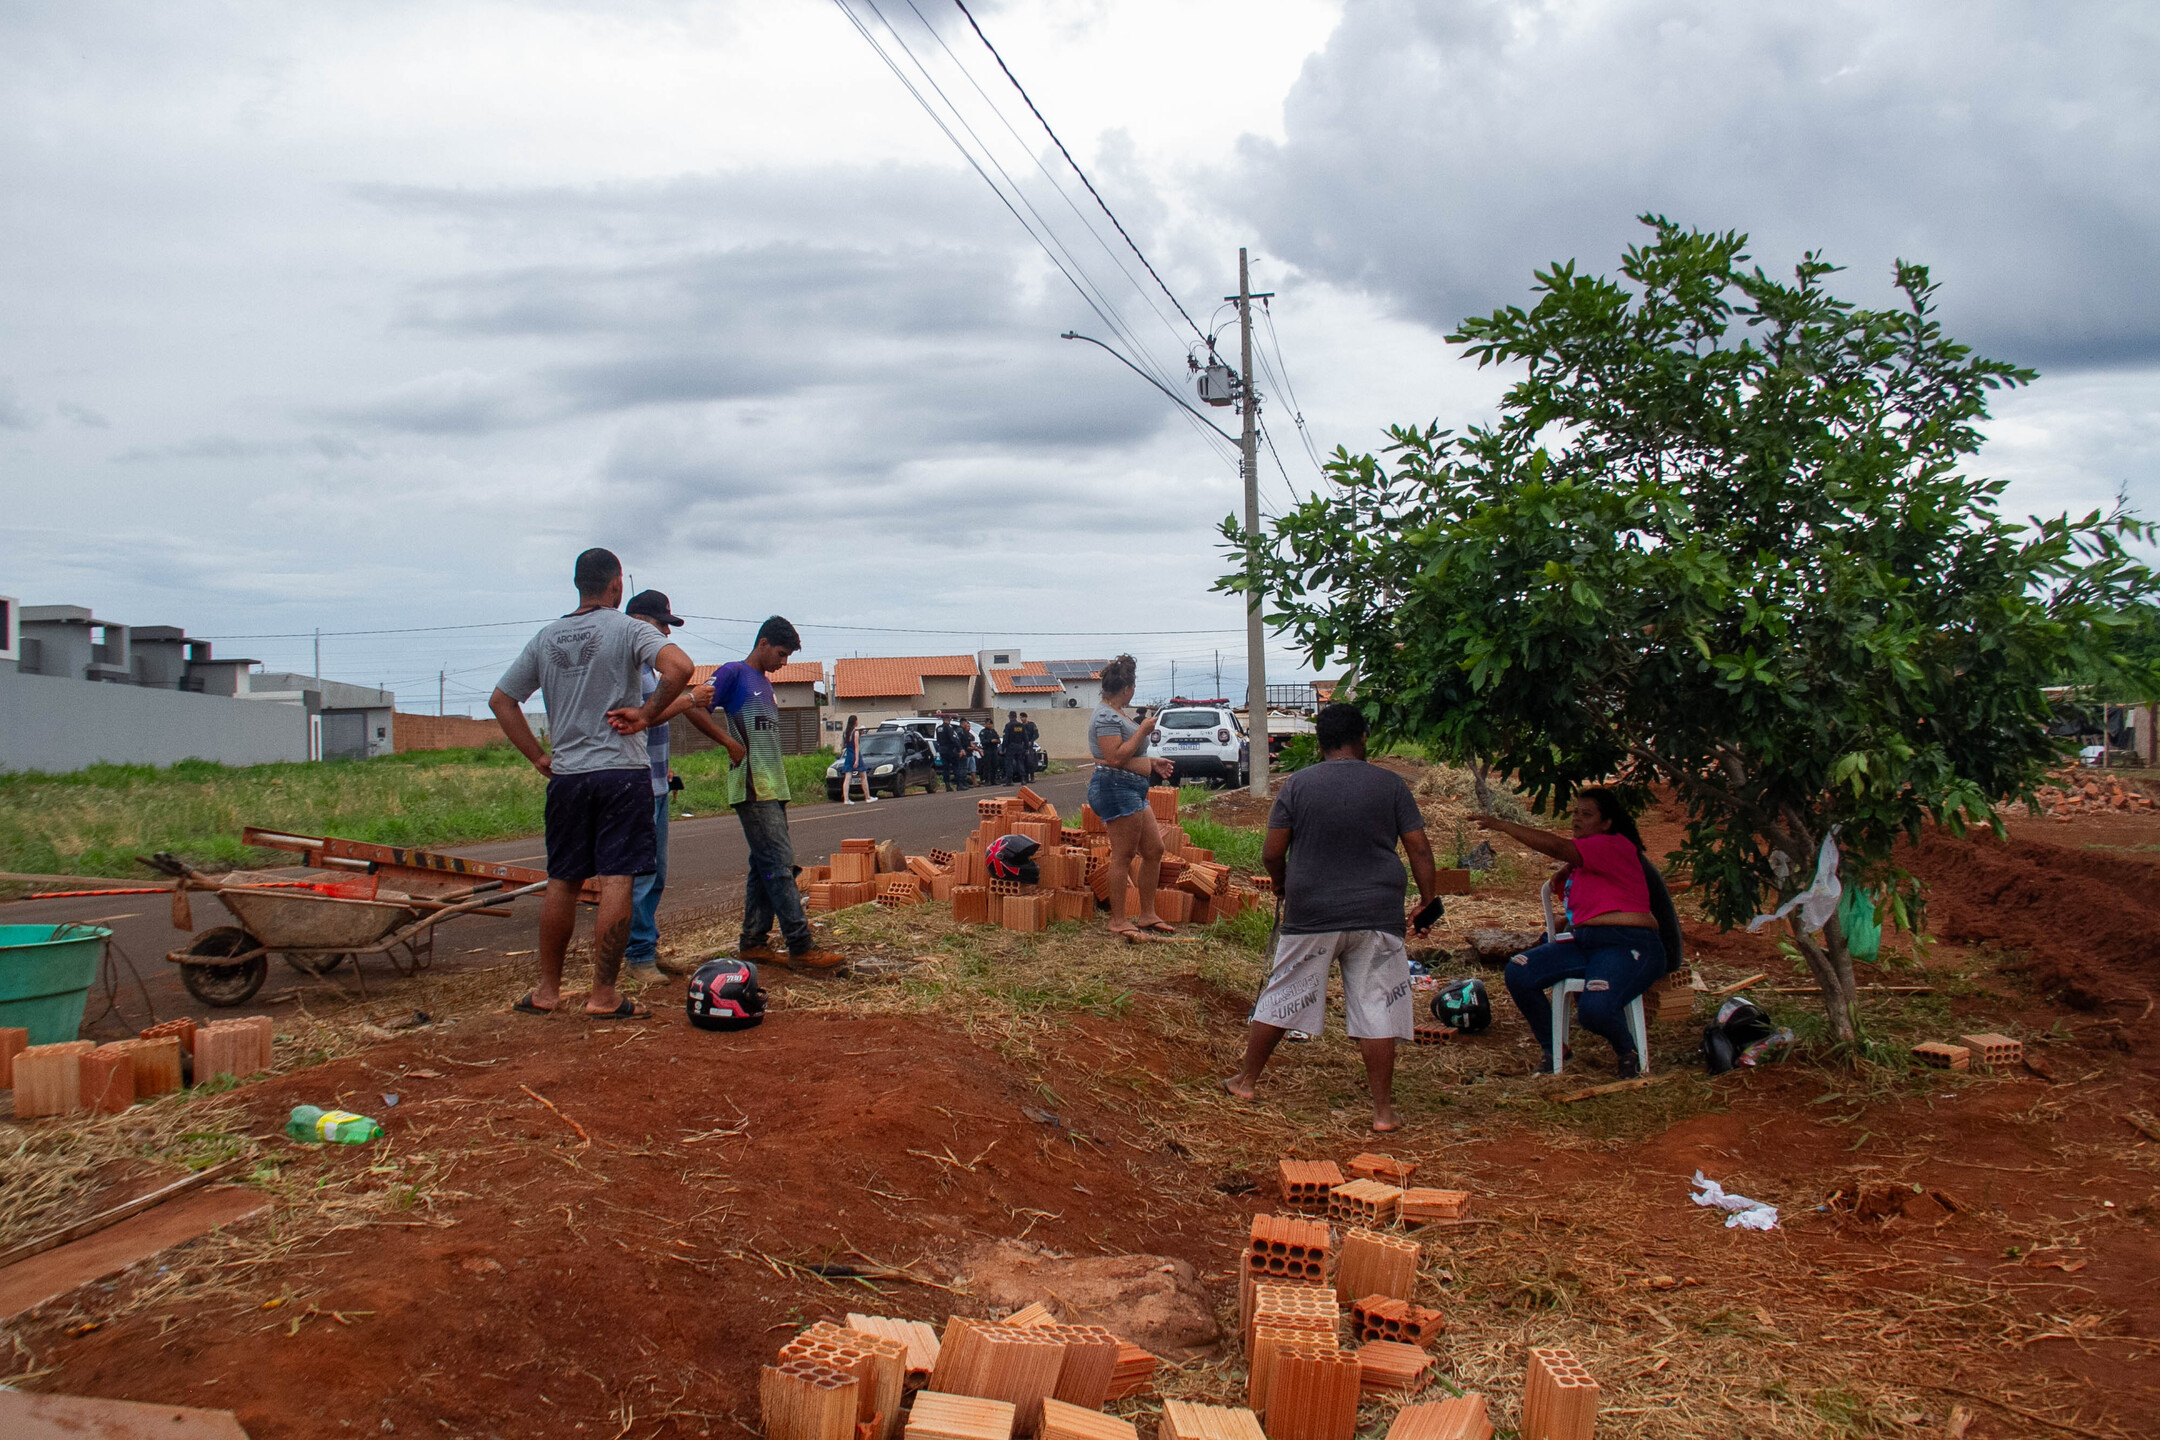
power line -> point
(962, 4)
(1297, 410)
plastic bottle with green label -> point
(314, 1124)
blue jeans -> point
(644, 947)
(1114, 794)
(1618, 962)
(769, 891)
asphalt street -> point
(706, 864)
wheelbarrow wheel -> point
(315, 965)
(223, 985)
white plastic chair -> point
(1638, 1022)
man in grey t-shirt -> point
(1330, 850)
(587, 667)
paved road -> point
(706, 863)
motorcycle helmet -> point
(725, 995)
(1740, 1028)
(1012, 857)
(1463, 1005)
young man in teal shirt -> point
(758, 789)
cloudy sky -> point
(367, 318)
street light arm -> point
(1175, 398)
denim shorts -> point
(1114, 794)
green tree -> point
(1718, 540)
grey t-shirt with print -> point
(584, 666)
(1108, 724)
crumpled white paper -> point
(1819, 901)
(1742, 1213)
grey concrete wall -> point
(56, 725)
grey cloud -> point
(82, 415)
(453, 402)
(14, 415)
(232, 447)
(1437, 152)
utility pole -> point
(1255, 637)
(318, 652)
(440, 677)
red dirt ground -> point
(540, 1285)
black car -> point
(895, 759)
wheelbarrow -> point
(316, 927)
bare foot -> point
(1239, 1090)
(1386, 1121)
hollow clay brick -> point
(1364, 1202)
(108, 1079)
(1461, 1418)
(1994, 1051)
(1062, 1421)
(863, 846)
(971, 904)
(13, 1041)
(1182, 1420)
(941, 888)
(1373, 1264)
(48, 1079)
(1024, 913)
(1312, 1394)
(182, 1030)
(1420, 1205)
(1559, 1397)
(938, 1416)
(1162, 799)
(1393, 1366)
(850, 868)
(1380, 1167)
(1305, 1183)
(804, 1400)
(1941, 1056)
(920, 1339)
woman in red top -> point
(1616, 950)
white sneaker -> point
(869, 800)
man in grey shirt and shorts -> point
(1330, 850)
(588, 667)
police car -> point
(1203, 741)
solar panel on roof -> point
(1077, 669)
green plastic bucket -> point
(45, 976)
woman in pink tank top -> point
(1615, 948)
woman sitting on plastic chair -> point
(1616, 949)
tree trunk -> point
(1832, 968)
(1478, 771)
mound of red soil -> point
(2086, 924)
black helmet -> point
(725, 995)
(1739, 1025)
(1012, 857)
(1462, 1005)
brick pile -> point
(1306, 1183)
(1016, 1364)
(2074, 791)
(887, 1373)
(1559, 1398)
(1370, 1263)
(1670, 1000)
(1381, 1317)
(1131, 1370)
(1462, 1418)
(854, 1361)
(1308, 1309)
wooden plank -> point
(1615, 1087)
(115, 1215)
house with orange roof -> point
(878, 688)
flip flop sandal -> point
(1161, 927)
(628, 1010)
(525, 1006)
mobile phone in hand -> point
(1431, 914)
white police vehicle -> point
(1204, 741)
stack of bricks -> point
(182, 1030)
(1992, 1050)
(1364, 1202)
(1421, 1206)
(1282, 1249)
(1135, 1372)
(1130, 1370)
(1462, 1418)
(1313, 1394)
(1381, 1167)
(971, 904)
(1000, 1362)
(1941, 1056)
(232, 1047)
(804, 1399)
(1392, 1367)
(48, 1078)
(859, 1365)
(1559, 1398)
(1306, 1183)
(898, 891)
(1374, 1264)
(1381, 1317)
(1182, 1420)
(1061, 1421)
(919, 1340)
(937, 1416)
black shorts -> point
(600, 822)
